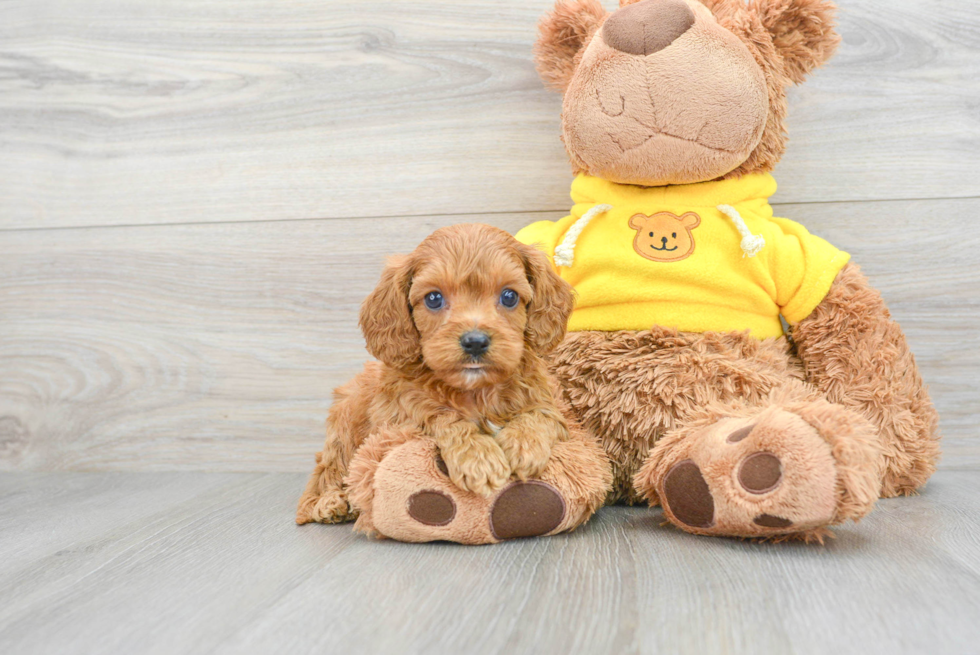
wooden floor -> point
(206, 562)
(196, 195)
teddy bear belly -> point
(629, 387)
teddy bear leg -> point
(401, 489)
(790, 468)
(856, 354)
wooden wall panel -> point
(216, 346)
(123, 112)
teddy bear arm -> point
(856, 355)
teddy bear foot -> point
(769, 475)
(412, 499)
(522, 509)
(526, 509)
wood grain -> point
(121, 112)
(224, 570)
(196, 195)
(215, 347)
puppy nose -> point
(475, 343)
(648, 26)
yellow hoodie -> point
(707, 257)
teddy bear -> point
(738, 370)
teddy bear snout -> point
(648, 26)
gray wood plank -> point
(225, 570)
(215, 347)
(118, 112)
(45, 515)
(166, 582)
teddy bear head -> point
(679, 91)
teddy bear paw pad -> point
(740, 434)
(760, 473)
(687, 495)
(526, 509)
(431, 507)
(770, 521)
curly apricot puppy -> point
(460, 327)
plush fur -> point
(392, 465)
(733, 436)
(776, 43)
(631, 388)
(563, 35)
(857, 356)
(491, 417)
(837, 416)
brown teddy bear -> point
(675, 359)
(673, 117)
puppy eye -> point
(434, 300)
(509, 298)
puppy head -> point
(466, 304)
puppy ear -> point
(561, 34)
(386, 317)
(547, 316)
(802, 31)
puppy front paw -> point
(329, 507)
(527, 457)
(478, 465)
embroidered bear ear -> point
(690, 220)
(802, 31)
(562, 35)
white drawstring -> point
(751, 243)
(565, 251)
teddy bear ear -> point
(802, 31)
(561, 35)
(690, 220)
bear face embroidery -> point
(664, 237)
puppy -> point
(460, 327)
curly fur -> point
(855, 354)
(427, 387)
(630, 388)
(360, 477)
(577, 468)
